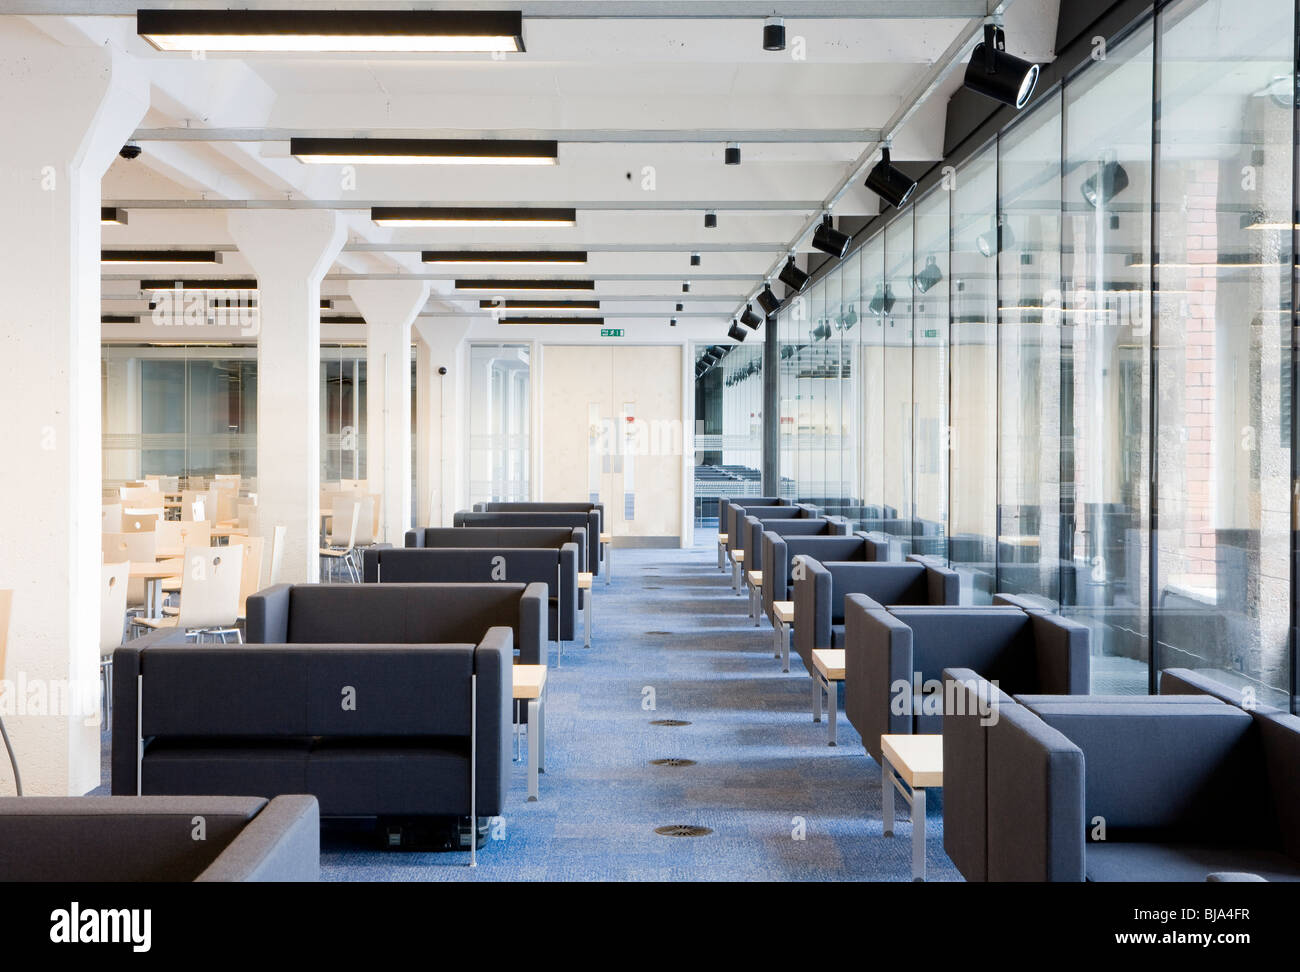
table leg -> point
(832, 704)
(541, 732)
(918, 834)
(534, 748)
(785, 648)
(609, 563)
(515, 755)
(722, 556)
(887, 795)
(776, 639)
(586, 619)
(817, 697)
(735, 576)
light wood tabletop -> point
(918, 759)
(784, 611)
(606, 538)
(168, 568)
(755, 577)
(738, 556)
(722, 538)
(584, 580)
(830, 662)
(529, 681)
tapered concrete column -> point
(290, 251)
(389, 307)
(65, 113)
(440, 450)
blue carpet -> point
(670, 623)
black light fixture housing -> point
(551, 320)
(373, 31)
(888, 182)
(499, 285)
(112, 216)
(1104, 185)
(792, 276)
(830, 240)
(774, 34)
(472, 216)
(539, 303)
(998, 75)
(750, 319)
(119, 319)
(768, 300)
(731, 154)
(196, 284)
(680, 308)
(343, 319)
(695, 259)
(135, 257)
(686, 287)
(471, 258)
(736, 332)
(672, 322)
(710, 220)
(425, 151)
(928, 276)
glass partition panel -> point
(929, 285)
(1224, 350)
(894, 307)
(871, 388)
(343, 413)
(1105, 371)
(498, 422)
(1029, 381)
(975, 244)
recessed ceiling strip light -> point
(539, 303)
(366, 31)
(112, 216)
(471, 216)
(424, 151)
(486, 258)
(137, 257)
(206, 284)
(553, 320)
(525, 285)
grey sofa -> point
(753, 526)
(133, 839)
(732, 512)
(820, 591)
(906, 649)
(588, 521)
(1183, 786)
(556, 567)
(369, 730)
(595, 529)
(400, 614)
(779, 553)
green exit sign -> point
(931, 332)
(611, 332)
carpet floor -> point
(671, 640)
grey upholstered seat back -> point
(479, 565)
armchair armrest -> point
(877, 671)
(532, 624)
(813, 588)
(1036, 823)
(775, 578)
(1062, 656)
(494, 664)
(943, 584)
(268, 616)
(413, 538)
(838, 526)
(282, 843)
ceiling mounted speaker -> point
(889, 183)
(792, 276)
(999, 75)
(830, 240)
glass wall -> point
(1069, 365)
(498, 422)
(342, 412)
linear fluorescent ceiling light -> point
(119, 319)
(424, 151)
(343, 319)
(487, 258)
(326, 304)
(552, 320)
(539, 303)
(137, 257)
(206, 284)
(112, 216)
(366, 31)
(525, 285)
(471, 216)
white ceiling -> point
(589, 77)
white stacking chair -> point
(221, 504)
(341, 546)
(246, 514)
(133, 522)
(131, 548)
(179, 534)
(114, 579)
(110, 518)
(210, 584)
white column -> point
(65, 113)
(443, 435)
(290, 251)
(389, 307)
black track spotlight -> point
(736, 332)
(672, 322)
(710, 220)
(792, 276)
(1103, 186)
(889, 183)
(680, 308)
(928, 276)
(731, 154)
(999, 75)
(686, 287)
(882, 301)
(774, 34)
(695, 259)
(830, 240)
(768, 300)
(996, 240)
(750, 319)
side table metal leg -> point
(918, 835)
(887, 796)
(534, 748)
